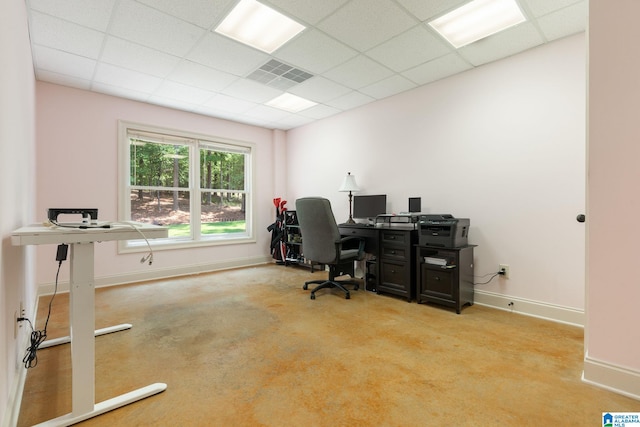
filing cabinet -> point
(396, 274)
(445, 276)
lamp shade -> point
(349, 183)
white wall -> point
(503, 145)
(16, 195)
(613, 315)
(77, 147)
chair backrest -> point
(318, 228)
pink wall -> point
(613, 306)
(77, 147)
(502, 144)
(17, 178)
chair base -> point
(323, 284)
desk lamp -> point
(349, 184)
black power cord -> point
(30, 358)
(498, 273)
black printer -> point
(443, 230)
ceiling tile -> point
(315, 52)
(431, 71)
(149, 27)
(229, 103)
(319, 112)
(387, 87)
(351, 100)
(127, 79)
(269, 114)
(182, 92)
(425, 10)
(319, 89)
(543, 7)
(203, 13)
(92, 14)
(565, 22)
(120, 92)
(409, 49)
(500, 45)
(309, 11)
(57, 61)
(362, 26)
(191, 73)
(63, 79)
(358, 72)
(227, 55)
(292, 121)
(251, 91)
(171, 103)
(54, 32)
(139, 58)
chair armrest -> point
(349, 242)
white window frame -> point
(195, 142)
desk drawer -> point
(359, 232)
(394, 252)
(439, 282)
(394, 237)
(396, 278)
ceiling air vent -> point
(279, 75)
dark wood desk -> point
(394, 250)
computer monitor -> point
(369, 206)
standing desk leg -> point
(82, 321)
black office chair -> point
(322, 243)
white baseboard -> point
(556, 313)
(611, 377)
(162, 273)
(14, 399)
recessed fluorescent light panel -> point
(259, 26)
(477, 20)
(291, 103)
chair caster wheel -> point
(305, 286)
(313, 296)
(348, 296)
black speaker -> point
(414, 204)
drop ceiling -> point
(165, 52)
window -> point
(198, 186)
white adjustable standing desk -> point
(82, 312)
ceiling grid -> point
(352, 52)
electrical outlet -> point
(20, 313)
(505, 268)
(16, 325)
